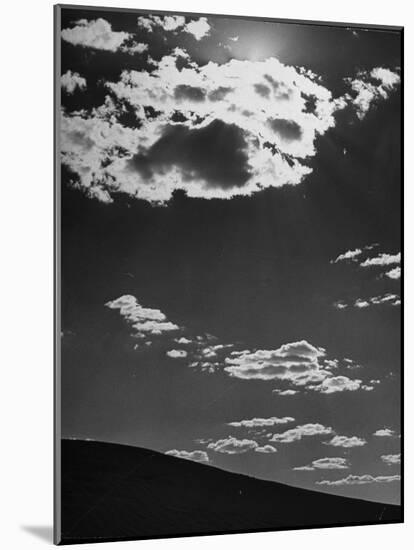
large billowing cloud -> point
(197, 456)
(215, 131)
(360, 480)
(96, 34)
(145, 321)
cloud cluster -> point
(346, 442)
(97, 34)
(144, 321)
(261, 422)
(198, 28)
(196, 456)
(298, 433)
(298, 363)
(360, 480)
(70, 81)
(331, 463)
(391, 459)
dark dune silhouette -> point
(117, 492)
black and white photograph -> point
(228, 274)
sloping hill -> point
(115, 492)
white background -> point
(26, 231)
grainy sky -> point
(231, 198)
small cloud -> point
(348, 255)
(346, 442)
(384, 432)
(360, 480)
(196, 456)
(394, 273)
(338, 384)
(135, 48)
(285, 392)
(331, 463)
(382, 259)
(298, 433)
(391, 459)
(199, 28)
(259, 422)
(70, 81)
(97, 34)
(267, 449)
(371, 87)
(232, 445)
(176, 353)
(182, 340)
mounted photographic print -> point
(228, 274)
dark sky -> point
(228, 264)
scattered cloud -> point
(346, 442)
(144, 321)
(360, 480)
(70, 81)
(298, 433)
(232, 445)
(176, 353)
(196, 456)
(331, 463)
(97, 34)
(388, 299)
(259, 422)
(391, 459)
